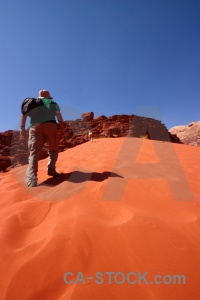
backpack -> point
(30, 104)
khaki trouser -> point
(38, 135)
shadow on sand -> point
(78, 177)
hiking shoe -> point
(32, 184)
(52, 172)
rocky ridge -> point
(14, 152)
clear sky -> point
(106, 56)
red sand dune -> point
(121, 205)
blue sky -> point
(106, 56)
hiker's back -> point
(45, 112)
(40, 110)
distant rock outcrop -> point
(188, 134)
(14, 152)
(88, 116)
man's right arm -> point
(22, 126)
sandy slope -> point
(121, 205)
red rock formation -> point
(88, 116)
(14, 152)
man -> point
(90, 136)
(43, 128)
